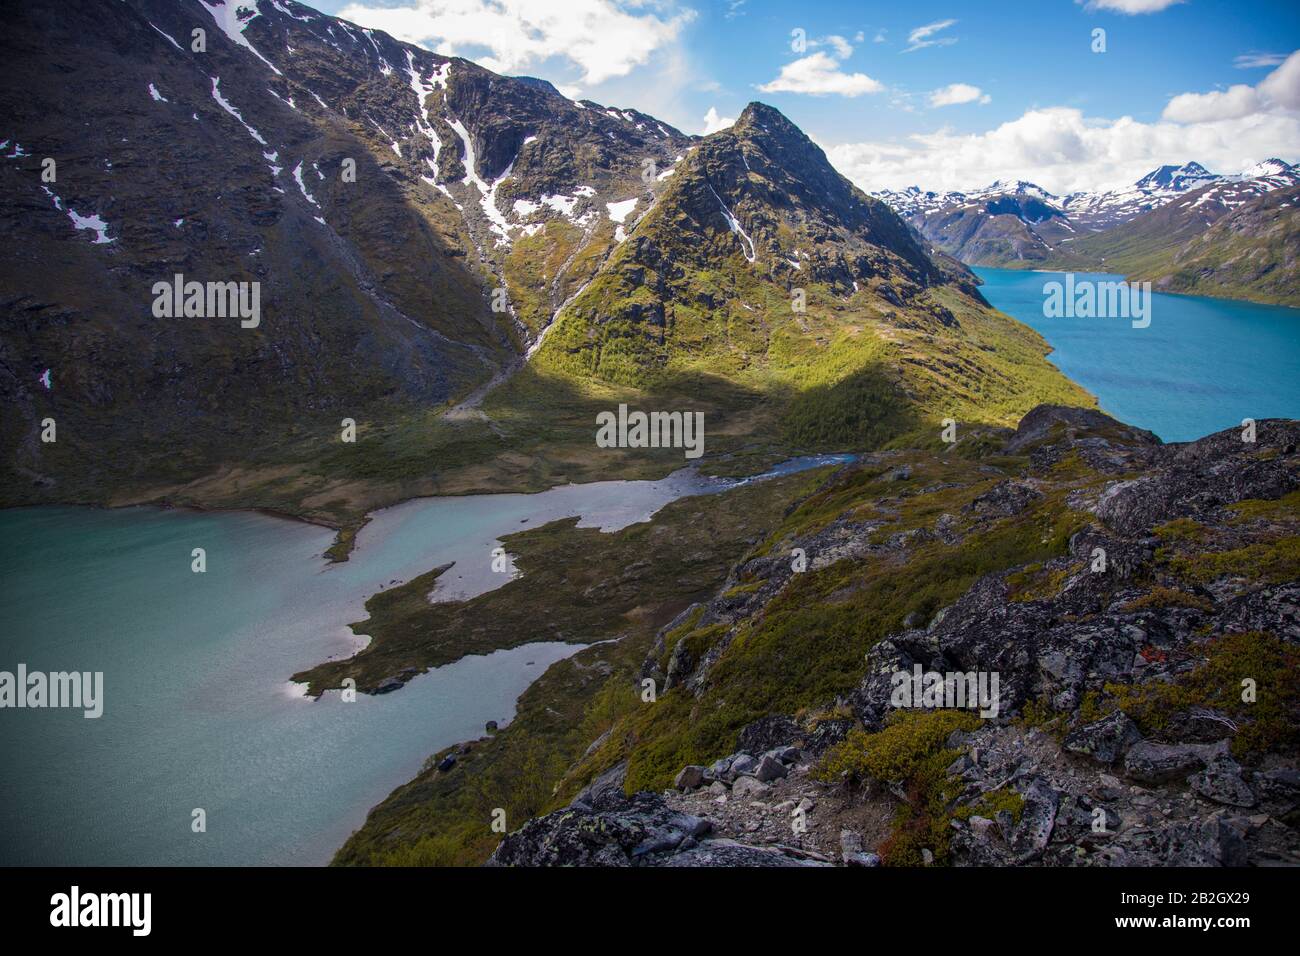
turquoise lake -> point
(198, 708)
(1201, 366)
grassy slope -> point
(1250, 253)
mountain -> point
(1010, 221)
(374, 190)
(999, 228)
(1121, 589)
(1097, 211)
(1252, 252)
(1159, 227)
(468, 266)
(1234, 238)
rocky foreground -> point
(1148, 675)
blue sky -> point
(946, 94)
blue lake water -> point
(1201, 366)
(198, 708)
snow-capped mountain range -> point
(1100, 209)
(1013, 223)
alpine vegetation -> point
(651, 430)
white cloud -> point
(1232, 103)
(819, 74)
(1254, 60)
(1280, 90)
(843, 49)
(920, 38)
(601, 38)
(1062, 150)
(956, 93)
(713, 122)
(1129, 6)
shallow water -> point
(198, 709)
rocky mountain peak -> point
(1187, 176)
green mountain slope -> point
(763, 266)
(1253, 253)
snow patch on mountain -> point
(619, 211)
(302, 187)
(734, 223)
(225, 105)
(93, 223)
(226, 16)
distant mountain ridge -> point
(1019, 224)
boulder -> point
(769, 769)
(852, 853)
(1150, 762)
(741, 764)
(1105, 740)
(747, 788)
(767, 733)
(689, 778)
(1030, 836)
(718, 770)
(605, 790)
(1222, 782)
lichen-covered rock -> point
(1105, 740)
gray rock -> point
(718, 769)
(748, 787)
(1216, 841)
(741, 764)
(767, 733)
(1222, 782)
(787, 755)
(689, 778)
(606, 788)
(731, 853)
(1105, 740)
(769, 769)
(1150, 762)
(1032, 833)
(852, 853)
